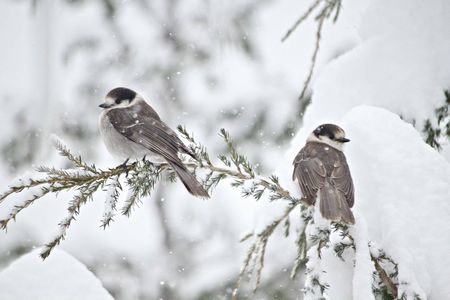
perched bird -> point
(131, 129)
(321, 168)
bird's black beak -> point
(343, 140)
(103, 105)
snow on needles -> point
(401, 184)
(59, 277)
(362, 276)
(399, 65)
(401, 196)
(402, 192)
(112, 196)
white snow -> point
(390, 54)
(111, 199)
(401, 193)
(315, 272)
(363, 272)
(14, 207)
(400, 63)
(338, 274)
(58, 277)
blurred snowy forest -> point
(210, 64)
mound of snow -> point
(401, 202)
(60, 276)
(400, 64)
(402, 191)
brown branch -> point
(391, 287)
(314, 57)
(258, 248)
(72, 181)
(300, 20)
(240, 175)
(324, 14)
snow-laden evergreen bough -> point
(140, 177)
(316, 241)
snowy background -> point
(381, 73)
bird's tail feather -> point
(333, 205)
(189, 181)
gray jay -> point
(131, 129)
(321, 168)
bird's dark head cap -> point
(120, 94)
(333, 132)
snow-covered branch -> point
(141, 177)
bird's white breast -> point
(120, 146)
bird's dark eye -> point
(317, 131)
(118, 101)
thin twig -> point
(88, 179)
(314, 58)
(390, 286)
(300, 20)
(242, 271)
(326, 11)
(258, 249)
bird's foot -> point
(124, 164)
(133, 165)
(127, 167)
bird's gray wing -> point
(310, 174)
(147, 131)
(143, 109)
(342, 180)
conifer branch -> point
(390, 286)
(302, 246)
(76, 160)
(141, 177)
(300, 20)
(386, 283)
(328, 8)
(439, 131)
(112, 196)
